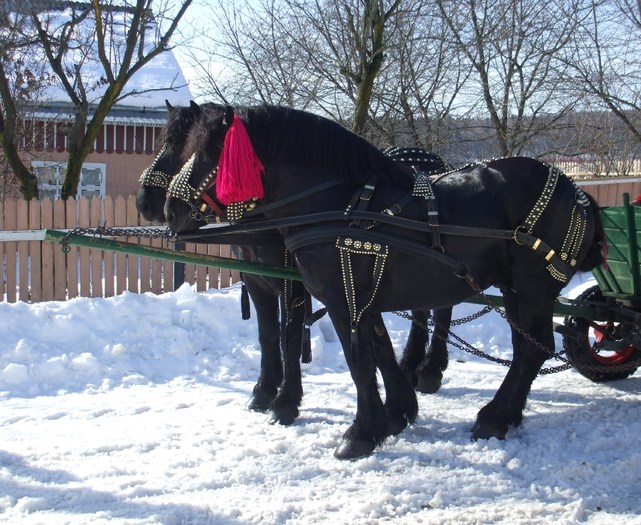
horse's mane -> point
(179, 120)
(288, 137)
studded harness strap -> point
(576, 228)
(348, 246)
(423, 188)
(179, 188)
(152, 177)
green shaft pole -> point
(102, 243)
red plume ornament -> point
(239, 168)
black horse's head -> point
(299, 151)
(155, 180)
(189, 193)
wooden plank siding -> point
(609, 192)
(40, 271)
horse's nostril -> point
(169, 216)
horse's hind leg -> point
(506, 409)
(414, 351)
(271, 366)
(430, 372)
(284, 408)
(400, 399)
(425, 370)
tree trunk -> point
(27, 180)
(370, 65)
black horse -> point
(515, 223)
(279, 305)
(279, 388)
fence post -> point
(179, 267)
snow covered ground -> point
(132, 410)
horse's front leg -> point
(271, 366)
(506, 408)
(370, 427)
(284, 408)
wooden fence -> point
(609, 192)
(40, 271)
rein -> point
(298, 240)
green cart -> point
(605, 344)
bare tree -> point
(512, 48)
(20, 84)
(326, 54)
(93, 49)
(261, 63)
(606, 63)
(419, 88)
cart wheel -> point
(592, 362)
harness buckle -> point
(519, 230)
(393, 210)
(368, 191)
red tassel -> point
(238, 178)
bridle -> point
(153, 177)
(202, 204)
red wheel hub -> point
(615, 358)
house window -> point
(51, 177)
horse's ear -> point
(169, 106)
(229, 116)
(195, 108)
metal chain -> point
(468, 348)
(522, 332)
(461, 344)
(595, 368)
(103, 231)
(167, 234)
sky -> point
(133, 410)
(198, 15)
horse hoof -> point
(428, 384)
(354, 449)
(260, 402)
(488, 430)
(283, 416)
(396, 425)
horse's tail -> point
(594, 255)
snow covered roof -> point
(130, 115)
(159, 80)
